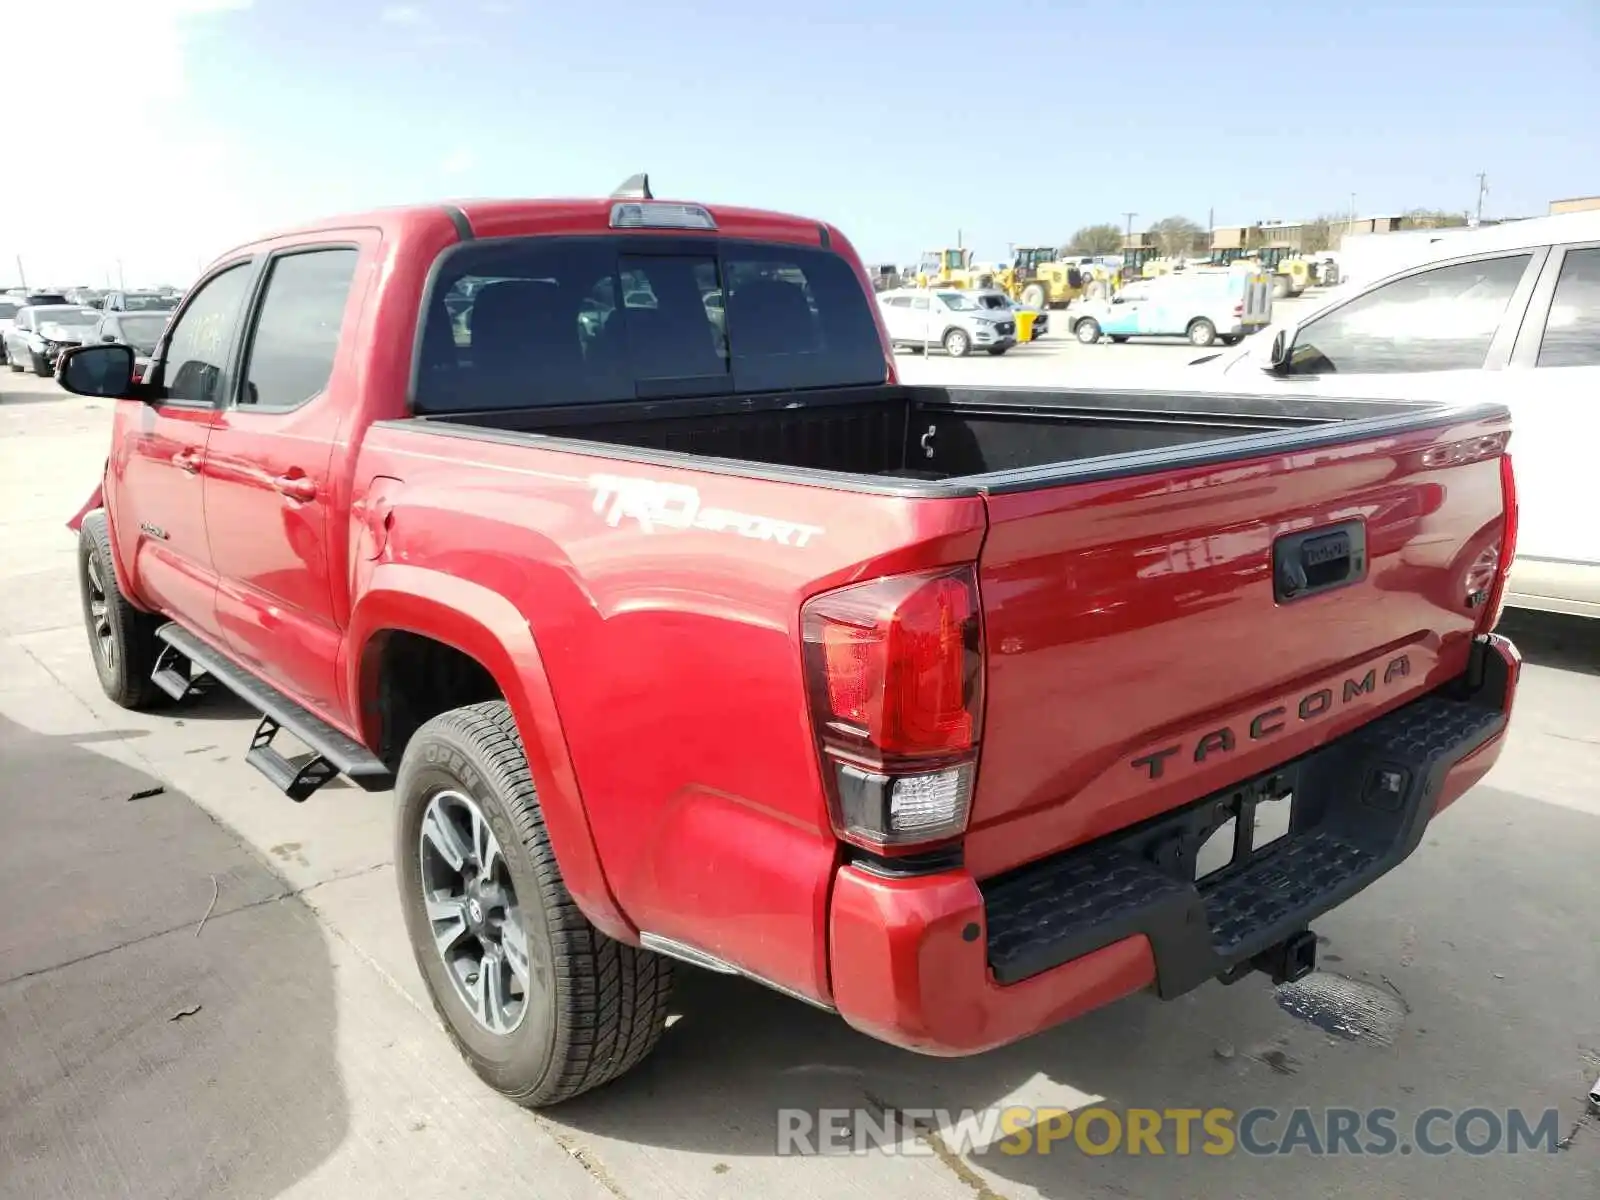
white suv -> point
(1512, 314)
(946, 317)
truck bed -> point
(990, 438)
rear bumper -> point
(944, 964)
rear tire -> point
(956, 343)
(122, 639)
(1280, 287)
(1202, 332)
(1035, 295)
(591, 1008)
(1087, 331)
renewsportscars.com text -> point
(1179, 1132)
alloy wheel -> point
(473, 912)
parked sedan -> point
(42, 332)
(141, 330)
(9, 305)
(136, 302)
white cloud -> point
(458, 161)
(404, 14)
(169, 208)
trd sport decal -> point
(655, 506)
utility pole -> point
(22, 277)
(122, 284)
(1130, 216)
(1483, 188)
(1352, 212)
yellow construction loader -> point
(948, 268)
(1037, 278)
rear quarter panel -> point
(673, 659)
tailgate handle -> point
(1318, 560)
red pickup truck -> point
(604, 533)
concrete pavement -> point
(208, 991)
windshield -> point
(67, 316)
(144, 302)
(956, 302)
(142, 332)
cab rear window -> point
(536, 322)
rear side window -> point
(297, 331)
(1572, 331)
(530, 322)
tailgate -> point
(1140, 653)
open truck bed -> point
(999, 439)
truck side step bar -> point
(174, 674)
(188, 663)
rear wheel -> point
(541, 1004)
(1280, 287)
(1088, 331)
(956, 343)
(122, 639)
(1202, 332)
(1035, 295)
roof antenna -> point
(635, 187)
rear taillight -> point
(894, 671)
(1238, 309)
(1505, 550)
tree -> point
(1097, 239)
(1177, 236)
(1432, 218)
(1319, 233)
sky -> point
(167, 131)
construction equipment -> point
(886, 277)
(949, 268)
(1038, 278)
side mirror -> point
(98, 370)
(1278, 352)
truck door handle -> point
(187, 460)
(296, 487)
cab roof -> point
(490, 218)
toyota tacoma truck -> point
(604, 534)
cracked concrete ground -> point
(285, 1048)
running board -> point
(187, 657)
